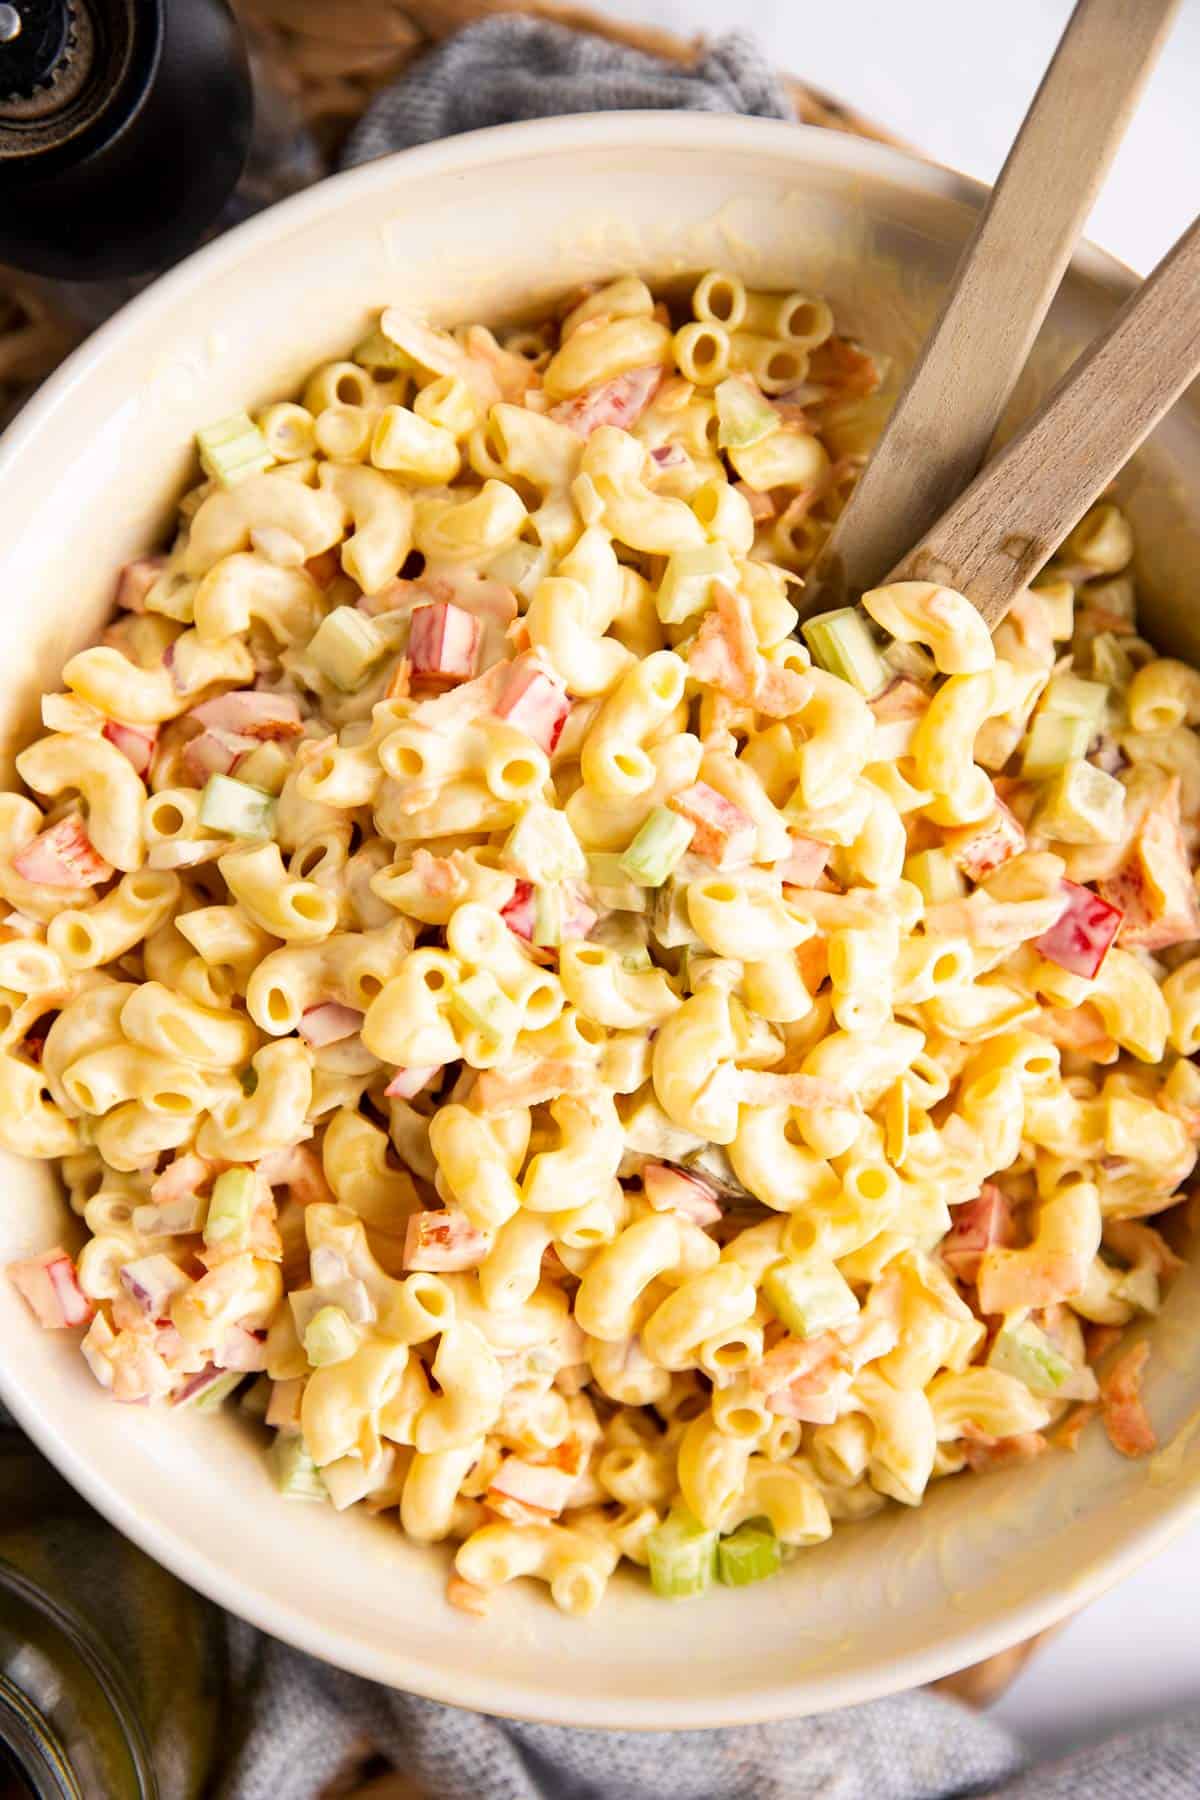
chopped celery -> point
(482, 1003)
(660, 842)
(842, 642)
(911, 661)
(937, 875)
(610, 885)
(296, 1474)
(1082, 805)
(541, 847)
(744, 417)
(682, 1554)
(751, 1553)
(329, 1337)
(1110, 660)
(346, 646)
(1070, 697)
(809, 1297)
(233, 1200)
(548, 915)
(1028, 1355)
(379, 352)
(686, 586)
(1054, 739)
(236, 809)
(233, 448)
(670, 920)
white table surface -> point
(954, 77)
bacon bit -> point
(533, 701)
(498, 1090)
(724, 834)
(805, 864)
(540, 1486)
(1153, 886)
(135, 581)
(998, 1453)
(812, 960)
(251, 713)
(62, 856)
(725, 655)
(136, 742)
(1080, 1028)
(620, 402)
(978, 1224)
(762, 507)
(467, 1597)
(399, 684)
(325, 567)
(443, 1241)
(1079, 939)
(406, 1084)
(298, 1168)
(1099, 1340)
(980, 849)
(214, 753)
(669, 1189)
(469, 701)
(50, 1288)
(329, 1023)
(443, 644)
(1067, 1435)
(1125, 1419)
(844, 368)
(759, 1087)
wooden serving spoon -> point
(939, 431)
(1004, 528)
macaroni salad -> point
(595, 1074)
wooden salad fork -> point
(938, 433)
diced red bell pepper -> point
(724, 834)
(620, 402)
(443, 1240)
(980, 849)
(805, 863)
(533, 701)
(978, 1224)
(1079, 939)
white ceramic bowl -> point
(479, 227)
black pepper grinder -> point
(124, 126)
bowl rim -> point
(495, 1693)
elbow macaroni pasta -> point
(588, 1063)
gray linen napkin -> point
(293, 1724)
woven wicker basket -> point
(329, 57)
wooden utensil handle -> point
(997, 535)
(942, 424)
